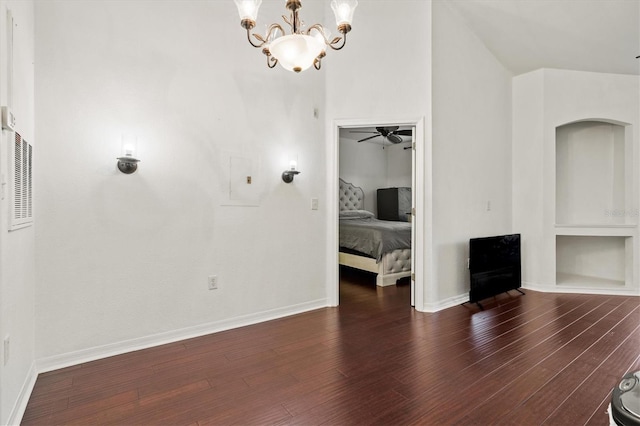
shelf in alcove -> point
(585, 281)
(626, 230)
(595, 225)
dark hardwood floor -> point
(535, 359)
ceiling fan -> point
(390, 133)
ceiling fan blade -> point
(393, 138)
(360, 131)
(370, 137)
(406, 132)
(386, 130)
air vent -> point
(22, 209)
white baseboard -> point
(446, 303)
(91, 354)
(15, 416)
(546, 288)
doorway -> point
(378, 134)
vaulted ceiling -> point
(586, 35)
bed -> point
(366, 243)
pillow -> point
(356, 214)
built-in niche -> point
(596, 206)
(593, 261)
(593, 174)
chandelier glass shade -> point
(302, 48)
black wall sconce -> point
(287, 175)
(128, 164)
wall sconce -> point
(287, 175)
(128, 163)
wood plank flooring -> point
(526, 360)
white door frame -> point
(422, 191)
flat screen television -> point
(494, 265)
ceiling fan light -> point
(296, 52)
(343, 11)
(248, 9)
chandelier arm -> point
(289, 22)
(271, 61)
(328, 42)
(317, 64)
(336, 40)
(273, 28)
(258, 36)
(319, 28)
(266, 39)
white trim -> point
(422, 190)
(545, 288)
(446, 303)
(91, 354)
(15, 416)
(333, 271)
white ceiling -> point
(586, 35)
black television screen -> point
(494, 265)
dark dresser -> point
(394, 204)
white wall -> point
(364, 165)
(371, 167)
(17, 373)
(471, 131)
(124, 259)
(382, 73)
(382, 77)
(471, 148)
(544, 100)
(398, 165)
(529, 171)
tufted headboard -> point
(350, 197)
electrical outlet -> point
(7, 340)
(314, 204)
(213, 282)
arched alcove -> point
(593, 168)
(594, 204)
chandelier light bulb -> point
(343, 11)
(248, 9)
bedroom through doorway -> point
(376, 199)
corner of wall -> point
(16, 414)
(17, 279)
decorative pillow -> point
(356, 214)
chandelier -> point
(303, 47)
